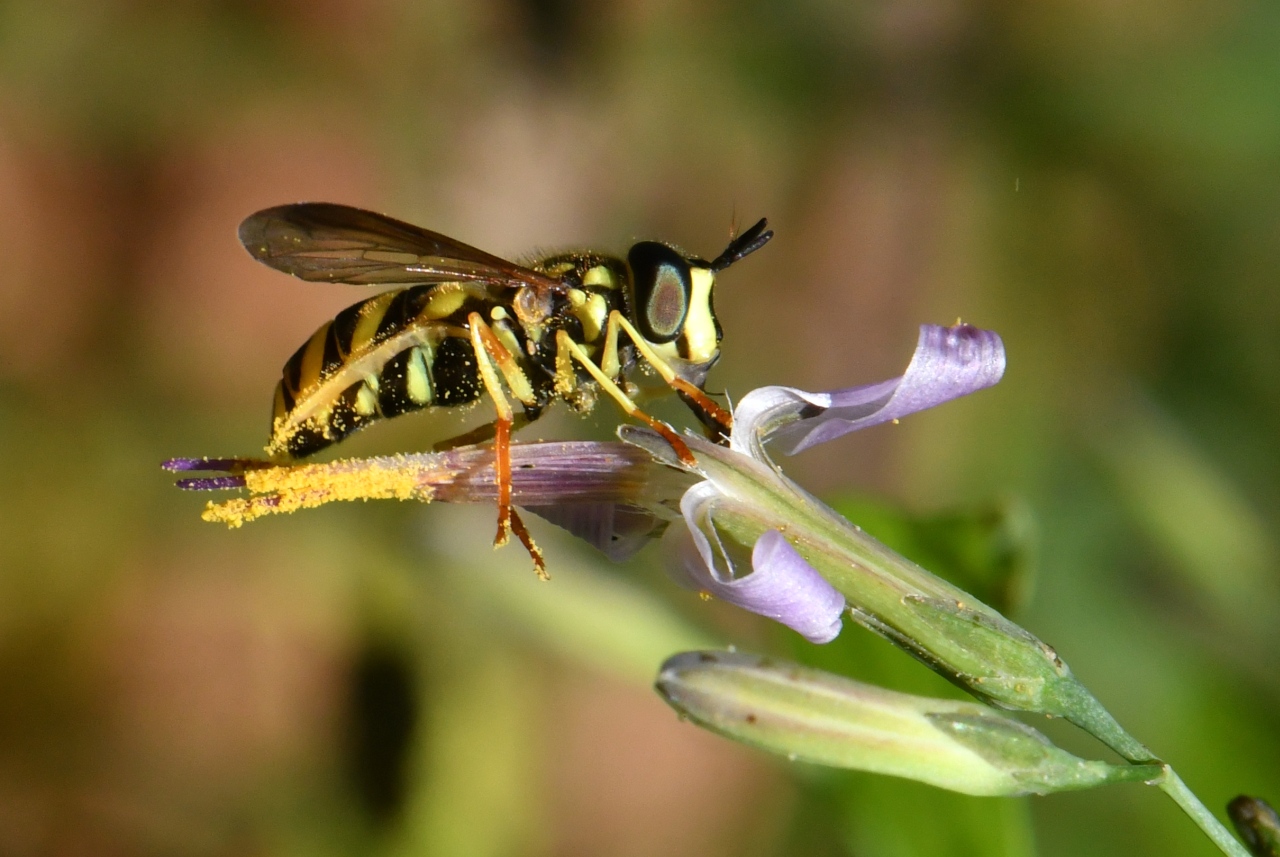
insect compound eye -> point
(662, 285)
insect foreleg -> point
(691, 393)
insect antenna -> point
(743, 245)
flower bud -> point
(813, 716)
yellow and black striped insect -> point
(468, 323)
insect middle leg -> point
(490, 351)
(568, 351)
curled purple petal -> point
(780, 585)
(949, 362)
(802, 598)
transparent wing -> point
(329, 243)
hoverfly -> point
(464, 323)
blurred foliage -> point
(1095, 181)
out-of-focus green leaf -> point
(1191, 511)
(476, 768)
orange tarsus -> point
(487, 347)
(539, 563)
(668, 434)
(502, 471)
(509, 520)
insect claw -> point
(539, 563)
(504, 528)
(509, 521)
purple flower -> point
(611, 495)
(732, 522)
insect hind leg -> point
(490, 351)
(715, 429)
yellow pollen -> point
(286, 489)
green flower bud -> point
(813, 716)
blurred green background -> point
(1098, 181)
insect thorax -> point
(597, 285)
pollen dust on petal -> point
(286, 489)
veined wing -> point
(329, 243)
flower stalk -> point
(961, 638)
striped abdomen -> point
(396, 352)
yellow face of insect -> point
(701, 332)
(671, 302)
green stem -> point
(1082, 708)
(1089, 715)
(1172, 785)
